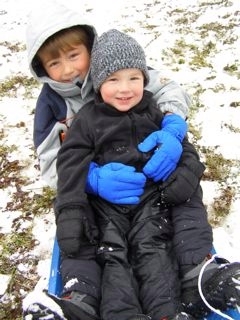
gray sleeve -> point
(47, 155)
(168, 94)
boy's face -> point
(68, 65)
(123, 89)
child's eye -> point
(135, 78)
(74, 55)
(112, 79)
(52, 64)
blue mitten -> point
(116, 183)
(166, 155)
(175, 125)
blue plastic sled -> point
(55, 285)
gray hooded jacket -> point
(67, 98)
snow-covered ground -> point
(197, 43)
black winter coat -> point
(102, 134)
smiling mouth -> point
(124, 98)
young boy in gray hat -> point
(137, 243)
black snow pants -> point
(140, 272)
(81, 272)
(193, 237)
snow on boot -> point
(212, 285)
(180, 316)
(39, 306)
(183, 316)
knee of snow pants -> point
(193, 237)
(82, 273)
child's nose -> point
(68, 68)
(124, 86)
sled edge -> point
(55, 280)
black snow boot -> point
(182, 316)
(220, 286)
(140, 317)
(179, 316)
(77, 306)
(38, 311)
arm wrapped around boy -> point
(184, 181)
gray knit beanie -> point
(113, 51)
